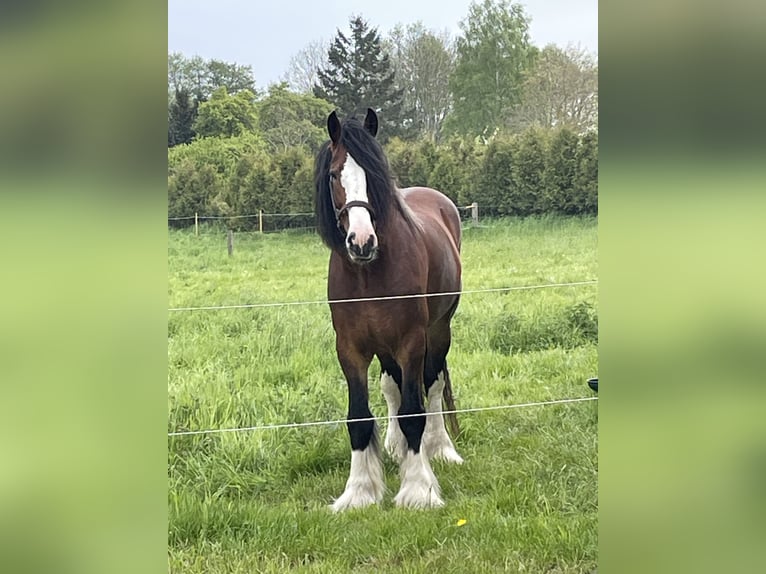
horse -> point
(389, 243)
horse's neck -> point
(401, 218)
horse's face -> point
(348, 189)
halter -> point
(347, 206)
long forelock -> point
(368, 154)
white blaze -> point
(354, 181)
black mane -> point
(381, 191)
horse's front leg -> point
(419, 488)
(365, 484)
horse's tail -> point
(449, 402)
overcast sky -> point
(266, 34)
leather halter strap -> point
(347, 206)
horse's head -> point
(348, 192)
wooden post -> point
(230, 242)
(196, 225)
(260, 220)
(475, 213)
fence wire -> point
(380, 418)
(384, 298)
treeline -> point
(530, 173)
(536, 171)
(485, 117)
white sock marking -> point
(419, 489)
(436, 442)
(396, 442)
(365, 484)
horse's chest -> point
(379, 325)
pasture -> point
(524, 501)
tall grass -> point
(257, 501)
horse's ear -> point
(371, 122)
(333, 127)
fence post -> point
(475, 213)
(260, 220)
(196, 225)
(230, 242)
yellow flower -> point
(461, 522)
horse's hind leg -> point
(391, 385)
(365, 484)
(436, 441)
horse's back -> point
(440, 221)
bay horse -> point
(388, 242)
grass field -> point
(258, 501)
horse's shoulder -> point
(437, 214)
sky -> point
(265, 35)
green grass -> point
(258, 501)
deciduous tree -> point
(492, 56)
(303, 70)
(291, 120)
(226, 115)
(423, 61)
(561, 90)
(202, 77)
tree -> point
(226, 115)
(252, 185)
(199, 174)
(234, 77)
(177, 74)
(181, 115)
(561, 90)
(496, 178)
(411, 161)
(560, 170)
(281, 182)
(528, 189)
(303, 69)
(492, 57)
(456, 169)
(359, 75)
(290, 120)
(192, 189)
(202, 77)
(423, 62)
(586, 174)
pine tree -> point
(560, 171)
(586, 176)
(181, 115)
(359, 75)
(529, 172)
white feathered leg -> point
(419, 489)
(436, 441)
(365, 485)
(395, 443)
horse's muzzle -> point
(362, 253)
